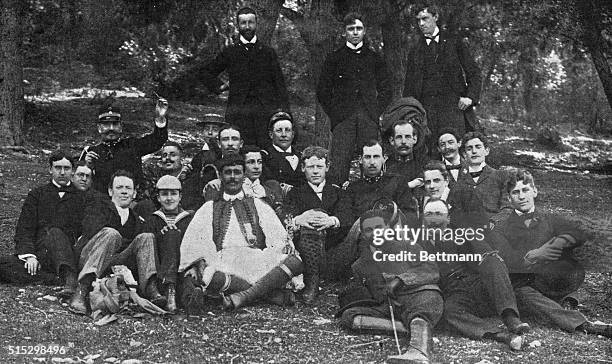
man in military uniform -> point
(114, 152)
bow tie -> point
(372, 179)
(64, 189)
(287, 154)
(475, 174)
(526, 216)
(450, 167)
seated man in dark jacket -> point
(537, 250)
(321, 212)
(281, 159)
(407, 286)
(168, 224)
(48, 227)
(113, 235)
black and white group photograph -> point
(306, 181)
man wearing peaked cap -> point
(114, 152)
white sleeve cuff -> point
(161, 122)
(336, 221)
(26, 256)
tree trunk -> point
(592, 24)
(11, 73)
(318, 28)
(395, 47)
(267, 17)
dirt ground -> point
(266, 334)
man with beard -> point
(442, 74)
(113, 234)
(230, 143)
(354, 90)
(48, 226)
(236, 246)
(448, 146)
(470, 296)
(256, 82)
(82, 177)
(281, 159)
(537, 249)
(114, 152)
(404, 160)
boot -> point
(513, 323)
(153, 295)
(275, 279)
(596, 328)
(70, 285)
(420, 345)
(223, 283)
(377, 326)
(78, 302)
(310, 246)
(171, 296)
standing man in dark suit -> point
(354, 90)
(442, 74)
(256, 82)
(322, 213)
(49, 224)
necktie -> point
(475, 174)
(527, 218)
(451, 167)
(63, 189)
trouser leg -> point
(310, 245)
(534, 303)
(344, 137)
(97, 254)
(141, 251)
(169, 250)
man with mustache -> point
(354, 89)
(114, 152)
(207, 170)
(441, 73)
(236, 246)
(256, 82)
(170, 163)
(448, 146)
(405, 160)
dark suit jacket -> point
(101, 212)
(276, 167)
(363, 194)
(204, 170)
(514, 239)
(255, 73)
(348, 79)
(44, 209)
(460, 72)
(482, 200)
(335, 202)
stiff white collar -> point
(520, 213)
(228, 197)
(317, 189)
(244, 41)
(477, 168)
(354, 47)
(280, 150)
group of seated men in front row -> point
(245, 224)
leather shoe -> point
(78, 302)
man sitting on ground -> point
(536, 248)
(236, 246)
(113, 235)
(169, 224)
(409, 288)
(322, 213)
(469, 296)
(82, 177)
(48, 227)
(448, 146)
